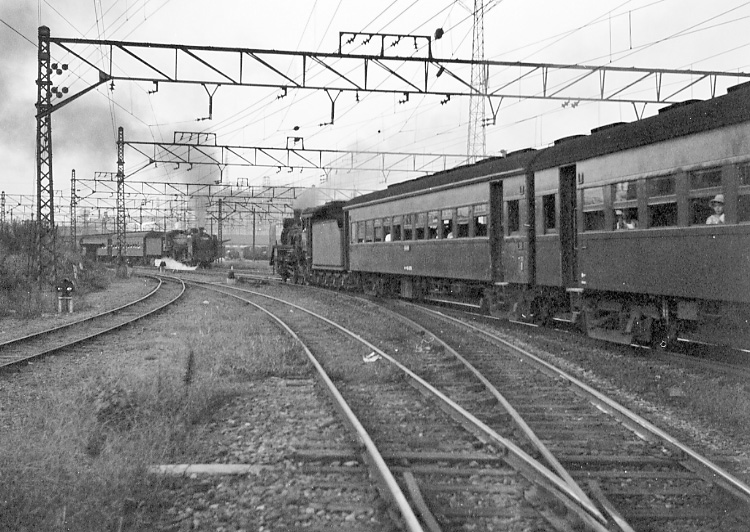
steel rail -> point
(735, 485)
(407, 513)
(519, 421)
(528, 466)
(83, 320)
(12, 362)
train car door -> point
(568, 233)
(496, 230)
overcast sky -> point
(680, 34)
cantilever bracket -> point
(494, 112)
(210, 102)
(333, 105)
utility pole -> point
(2, 208)
(477, 142)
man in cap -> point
(623, 222)
(717, 204)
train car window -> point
(626, 191)
(378, 222)
(625, 205)
(743, 207)
(446, 217)
(705, 179)
(514, 216)
(369, 232)
(481, 221)
(419, 225)
(396, 228)
(593, 209)
(744, 172)
(743, 200)
(408, 227)
(662, 202)
(462, 222)
(660, 187)
(549, 213)
(704, 185)
(432, 224)
(360, 232)
(353, 235)
(387, 236)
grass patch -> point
(77, 432)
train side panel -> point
(154, 246)
(421, 218)
(465, 260)
(328, 251)
(710, 263)
(516, 266)
(669, 250)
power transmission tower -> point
(476, 146)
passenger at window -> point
(623, 222)
(447, 229)
(717, 204)
(387, 237)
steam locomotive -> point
(607, 231)
(193, 247)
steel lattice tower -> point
(120, 222)
(2, 208)
(45, 208)
(73, 205)
(476, 146)
(219, 233)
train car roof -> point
(681, 119)
(114, 235)
(486, 168)
(331, 209)
(678, 120)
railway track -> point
(435, 473)
(22, 350)
(644, 479)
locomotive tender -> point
(606, 230)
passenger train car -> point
(606, 230)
